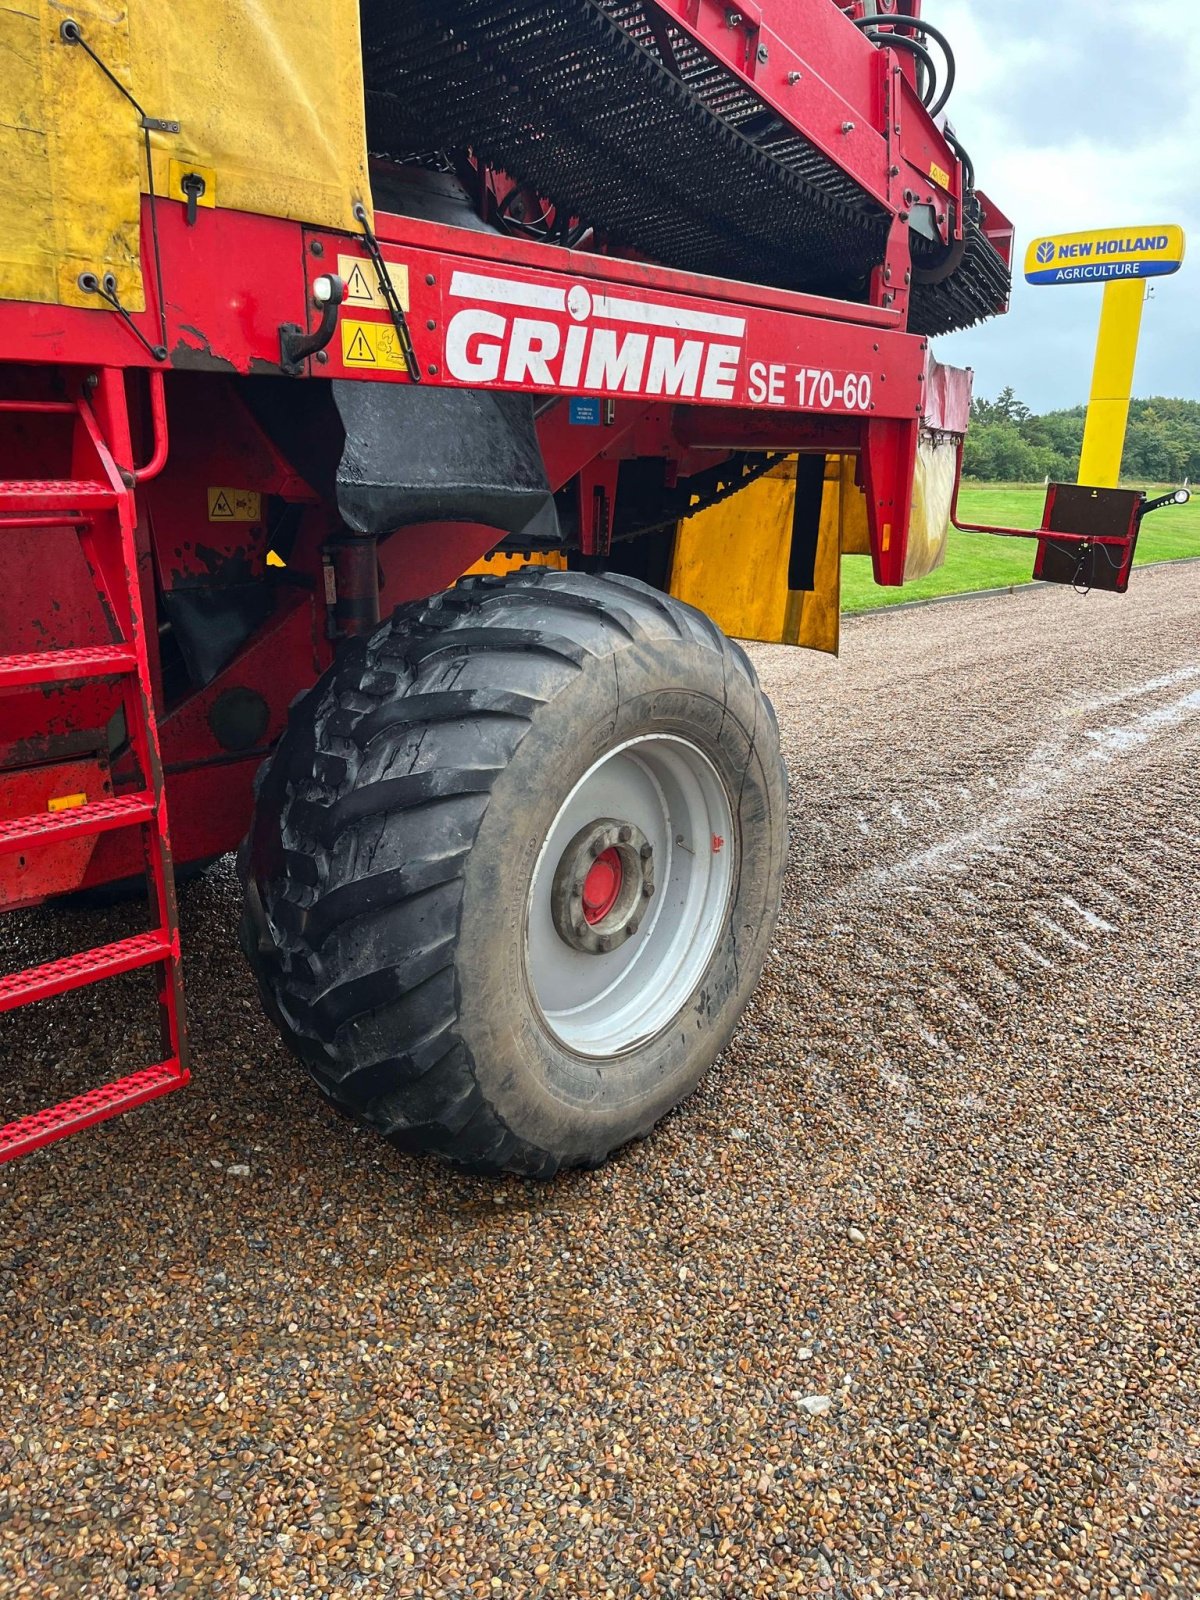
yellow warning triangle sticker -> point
(220, 508)
(357, 287)
(360, 351)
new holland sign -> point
(1105, 255)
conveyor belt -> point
(572, 98)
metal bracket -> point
(295, 343)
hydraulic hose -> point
(902, 42)
(922, 27)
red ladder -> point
(98, 502)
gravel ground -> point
(903, 1302)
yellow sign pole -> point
(1112, 384)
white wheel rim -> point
(606, 1004)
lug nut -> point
(624, 835)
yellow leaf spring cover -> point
(268, 95)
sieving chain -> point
(643, 134)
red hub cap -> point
(602, 886)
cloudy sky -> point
(1080, 114)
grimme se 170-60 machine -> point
(306, 311)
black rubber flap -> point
(440, 455)
(212, 622)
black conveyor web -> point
(571, 98)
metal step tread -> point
(96, 1105)
(55, 494)
(94, 816)
(88, 966)
(52, 666)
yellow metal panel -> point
(28, 256)
(268, 95)
(1112, 385)
(731, 562)
(68, 155)
(856, 526)
(814, 617)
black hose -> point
(914, 49)
(921, 27)
(968, 165)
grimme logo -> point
(582, 340)
(1045, 252)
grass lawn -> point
(979, 561)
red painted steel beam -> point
(569, 326)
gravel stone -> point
(362, 1375)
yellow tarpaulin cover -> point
(732, 560)
(268, 95)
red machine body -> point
(685, 368)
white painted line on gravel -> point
(1116, 741)
(1090, 917)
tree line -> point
(1007, 443)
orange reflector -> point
(66, 802)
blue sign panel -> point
(584, 413)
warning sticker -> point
(372, 345)
(362, 282)
(234, 505)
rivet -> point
(317, 248)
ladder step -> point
(95, 816)
(89, 966)
(55, 494)
(54, 666)
(56, 1122)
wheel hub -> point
(603, 880)
(629, 895)
(602, 886)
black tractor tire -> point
(397, 826)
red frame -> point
(233, 280)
